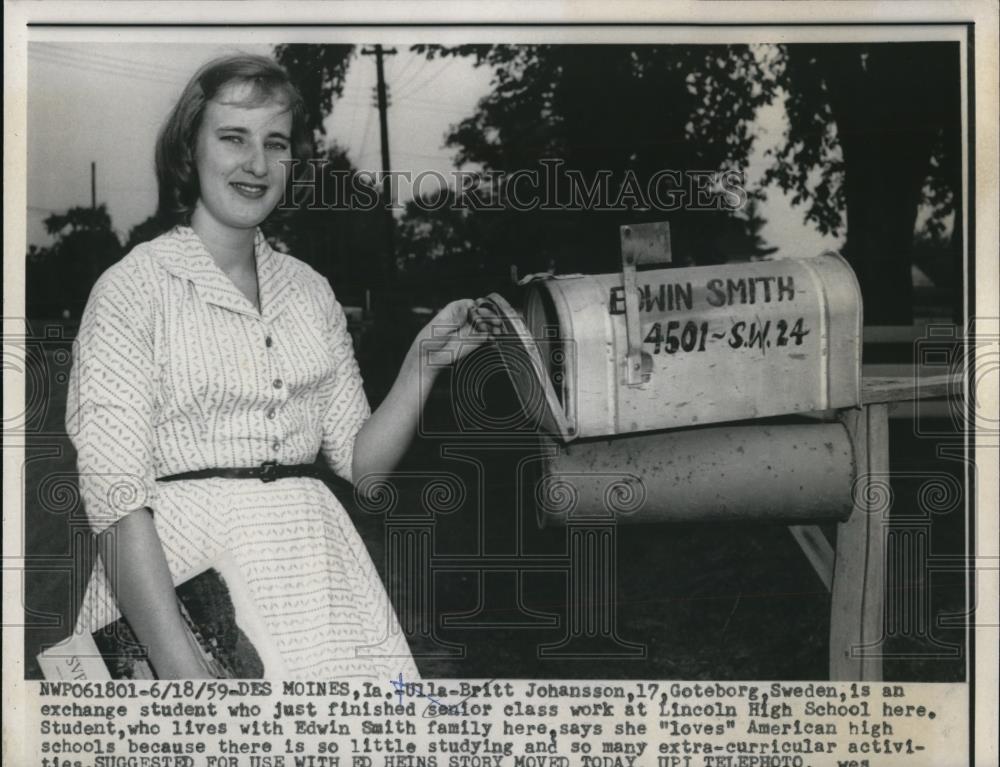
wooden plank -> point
(875, 389)
(858, 594)
(817, 549)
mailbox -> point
(655, 385)
(717, 393)
(667, 348)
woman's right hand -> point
(460, 327)
(136, 567)
(195, 666)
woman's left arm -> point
(457, 330)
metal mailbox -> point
(656, 386)
(721, 393)
(668, 348)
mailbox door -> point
(533, 365)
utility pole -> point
(390, 223)
(93, 186)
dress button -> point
(276, 446)
(268, 342)
(270, 414)
(277, 383)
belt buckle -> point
(268, 471)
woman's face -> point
(238, 156)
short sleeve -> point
(347, 408)
(109, 413)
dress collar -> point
(182, 253)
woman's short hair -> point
(176, 173)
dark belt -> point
(269, 471)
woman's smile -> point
(241, 153)
(251, 191)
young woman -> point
(209, 371)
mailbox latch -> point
(645, 245)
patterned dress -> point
(175, 370)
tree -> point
(442, 250)
(144, 231)
(874, 134)
(319, 71)
(880, 124)
(59, 277)
(624, 112)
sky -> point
(104, 103)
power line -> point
(354, 121)
(417, 106)
(435, 102)
(434, 109)
(403, 69)
(89, 53)
(364, 135)
(409, 81)
(425, 156)
(118, 67)
(151, 68)
(100, 69)
(432, 77)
